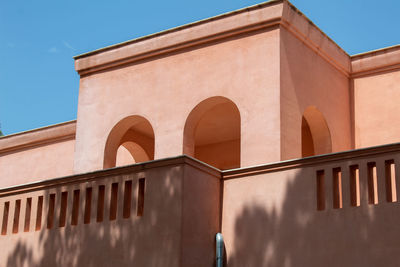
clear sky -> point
(38, 83)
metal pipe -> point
(219, 249)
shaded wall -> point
(270, 215)
(211, 154)
(163, 213)
(307, 79)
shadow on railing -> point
(126, 215)
(331, 210)
(34, 211)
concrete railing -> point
(341, 206)
(167, 212)
(134, 214)
(72, 204)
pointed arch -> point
(135, 134)
(315, 133)
(212, 133)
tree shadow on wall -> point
(109, 243)
(292, 233)
(296, 234)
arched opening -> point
(212, 133)
(315, 134)
(130, 141)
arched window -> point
(315, 134)
(130, 141)
(212, 133)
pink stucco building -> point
(253, 123)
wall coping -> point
(376, 61)
(175, 29)
(261, 16)
(37, 137)
(310, 161)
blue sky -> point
(38, 83)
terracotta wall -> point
(376, 109)
(165, 89)
(270, 215)
(35, 164)
(37, 155)
(201, 215)
(308, 79)
(171, 222)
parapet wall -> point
(332, 210)
(324, 210)
(376, 88)
(161, 213)
(37, 154)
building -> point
(254, 124)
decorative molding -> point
(259, 17)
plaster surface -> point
(270, 215)
(376, 109)
(35, 164)
(168, 232)
(164, 90)
(307, 80)
(37, 155)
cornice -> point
(179, 28)
(376, 61)
(307, 32)
(263, 16)
(38, 137)
(216, 28)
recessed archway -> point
(212, 133)
(315, 134)
(130, 141)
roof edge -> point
(37, 137)
(261, 16)
(375, 51)
(376, 61)
(298, 11)
(38, 129)
(178, 28)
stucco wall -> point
(270, 216)
(307, 79)
(376, 109)
(165, 89)
(176, 226)
(37, 155)
(38, 163)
